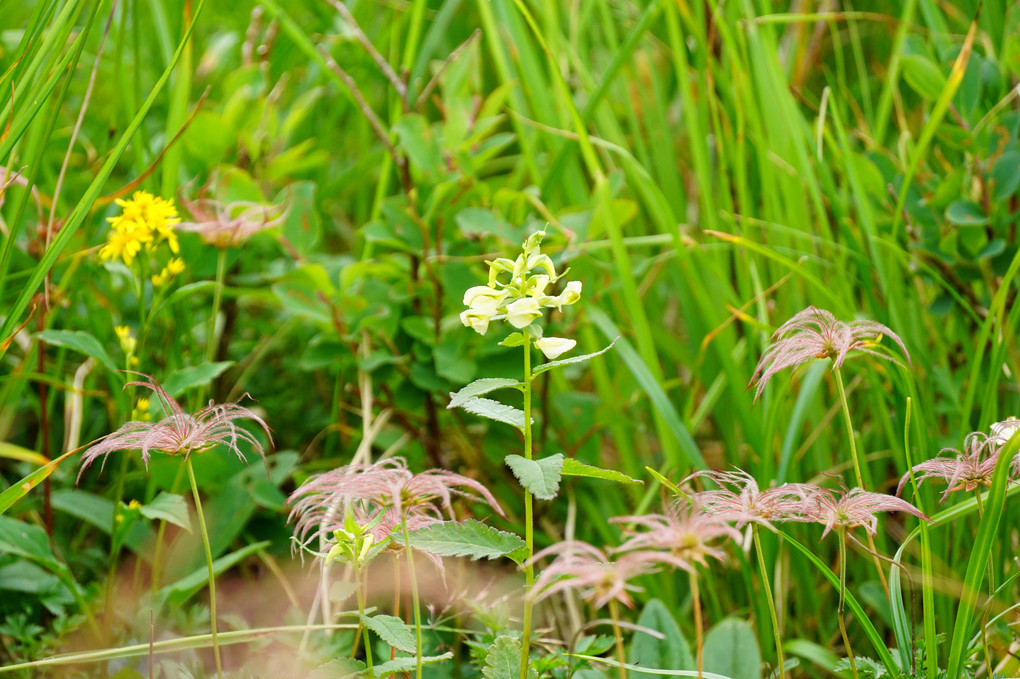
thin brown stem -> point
(399, 85)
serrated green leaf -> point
(392, 630)
(731, 649)
(572, 467)
(79, 341)
(480, 387)
(545, 367)
(503, 659)
(469, 538)
(406, 664)
(540, 477)
(338, 668)
(170, 508)
(494, 410)
(194, 376)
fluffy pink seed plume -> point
(738, 499)
(587, 569)
(180, 433)
(966, 470)
(229, 224)
(389, 487)
(815, 333)
(681, 537)
(857, 507)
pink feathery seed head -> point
(857, 507)
(962, 470)
(815, 333)
(180, 433)
(681, 535)
(580, 566)
(740, 500)
(318, 505)
(229, 224)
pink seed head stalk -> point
(226, 225)
(681, 537)
(180, 433)
(856, 507)
(967, 470)
(815, 333)
(580, 566)
(388, 488)
(738, 499)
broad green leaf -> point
(494, 410)
(480, 387)
(1006, 175)
(469, 538)
(923, 75)
(406, 664)
(181, 380)
(731, 649)
(572, 467)
(568, 361)
(540, 477)
(170, 508)
(966, 213)
(476, 221)
(22, 539)
(503, 659)
(80, 341)
(418, 140)
(671, 651)
(392, 630)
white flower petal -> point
(554, 347)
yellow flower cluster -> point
(173, 268)
(128, 343)
(145, 220)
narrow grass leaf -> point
(572, 467)
(179, 592)
(19, 489)
(980, 553)
(859, 613)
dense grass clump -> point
(584, 340)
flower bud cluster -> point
(517, 293)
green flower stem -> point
(699, 632)
(614, 613)
(362, 630)
(209, 562)
(529, 537)
(857, 470)
(767, 586)
(849, 427)
(414, 594)
(841, 532)
(210, 345)
(991, 590)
